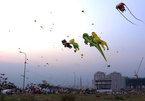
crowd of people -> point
(47, 90)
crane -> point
(136, 73)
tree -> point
(4, 84)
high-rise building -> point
(111, 82)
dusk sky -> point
(37, 27)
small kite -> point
(121, 8)
(108, 65)
(83, 11)
(82, 55)
(41, 27)
(75, 45)
(66, 44)
(94, 40)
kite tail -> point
(126, 18)
(100, 50)
(98, 47)
(133, 14)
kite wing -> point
(66, 44)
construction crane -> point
(136, 73)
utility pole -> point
(74, 80)
(25, 62)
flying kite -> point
(41, 27)
(121, 8)
(75, 45)
(83, 11)
(82, 55)
(94, 40)
(66, 44)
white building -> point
(111, 82)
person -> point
(97, 96)
(47, 90)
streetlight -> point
(24, 69)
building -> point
(116, 82)
(137, 84)
(111, 82)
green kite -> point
(94, 40)
(75, 45)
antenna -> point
(80, 82)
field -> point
(74, 97)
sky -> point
(37, 27)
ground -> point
(73, 97)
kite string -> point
(125, 17)
(132, 14)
